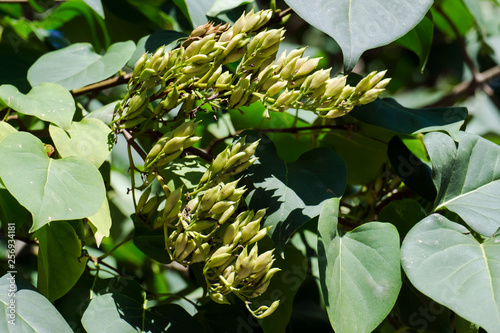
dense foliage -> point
(228, 166)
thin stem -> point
(114, 81)
(131, 142)
(132, 174)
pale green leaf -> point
(60, 261)
(78, 65)
(361, 25)
(6, 129)
(88, 139)
(360, 271)
(101, 221)
(96, 5)
(220, 6)
(33, 312)
(47, 101)
(445, 262)
(52, 190)
(467, 178)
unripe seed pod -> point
(174, 144)
(319, 77)
(229, 234)
(236, 96)
(142, 200)
(250, 230)
(334, 86)
(370, 96)
(174, 212)
(209, 198)
(200, 225)
(276, 88)
(283, 98)
(262, 261)
(190, 246)
(375, 79)
(237, 193)
(219, 161)
(146, 74)
(287, 71)
(139, 65)
(129, 123)
(190, 50)
(382, 84)
(172, 200)
(364, 84)
(171, 100)
(235, 148)
(200, 254)
(259, 214)
(224, 78)
(158, 54)
(274, 37)
(192, 204)
(180, 244)
(227, 214)
(249, 150)
(219, 260)
(261, 234)
(239, 24)
(347, 91)
(198, 59)
(233, 159)
(191, 141)
(241, 167)
(232, 44)
(251, 20)
(213, 78)
(221, 206)
(186, 129)
(137, 101)
(208, 47)
(227, 190)
(309, 66)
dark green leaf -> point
(295, 191)
(52, 190)
(119, 313)
(47, 101)
(419, 40)
(467, 178)
(78, 65)
(412, 171)
(360, 271)
(457, 13)
(445, 262)
(404, 214)
(387, 113)
(60, 261)
(361, 25)
(32, 312)
(151, 242)
(220, 6)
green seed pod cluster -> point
(194, 71)
(171, 145)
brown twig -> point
(114, 81)
(133, 144)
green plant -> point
(224, 180)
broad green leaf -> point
(52, 190)
(33, 312)
(47, 101)
(419, 40)
(151, 242)
(364, 156)
(11, 211)
(467, 178)
(293, 191)
(412, 171)
(197, 11)
(185, 171)
(6, 129)
(404, 214)
(88, 139)
(101, 221)
(120, 313)
(444, 261)
(104, 113)
(78, 65)
(220, 6)
(457, 13)
(387, 113)
(60, 261)
(361, 25)
(360, 271)
(96, 5)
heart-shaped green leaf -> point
(6, 130)
(65, 189)
(78, 65)
(60, 264)
(388, 113)
(293, 192)
(363, 24)
(445, 262)
(47, 101)
(88, 138)
(33, 312)
(467, 178)
(101, 222)
(360, 271)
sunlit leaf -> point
(361, 25)
(444, 261)
(47, 101)
(78, 65)
(360, 271)
(467, 178)
(52, 190)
